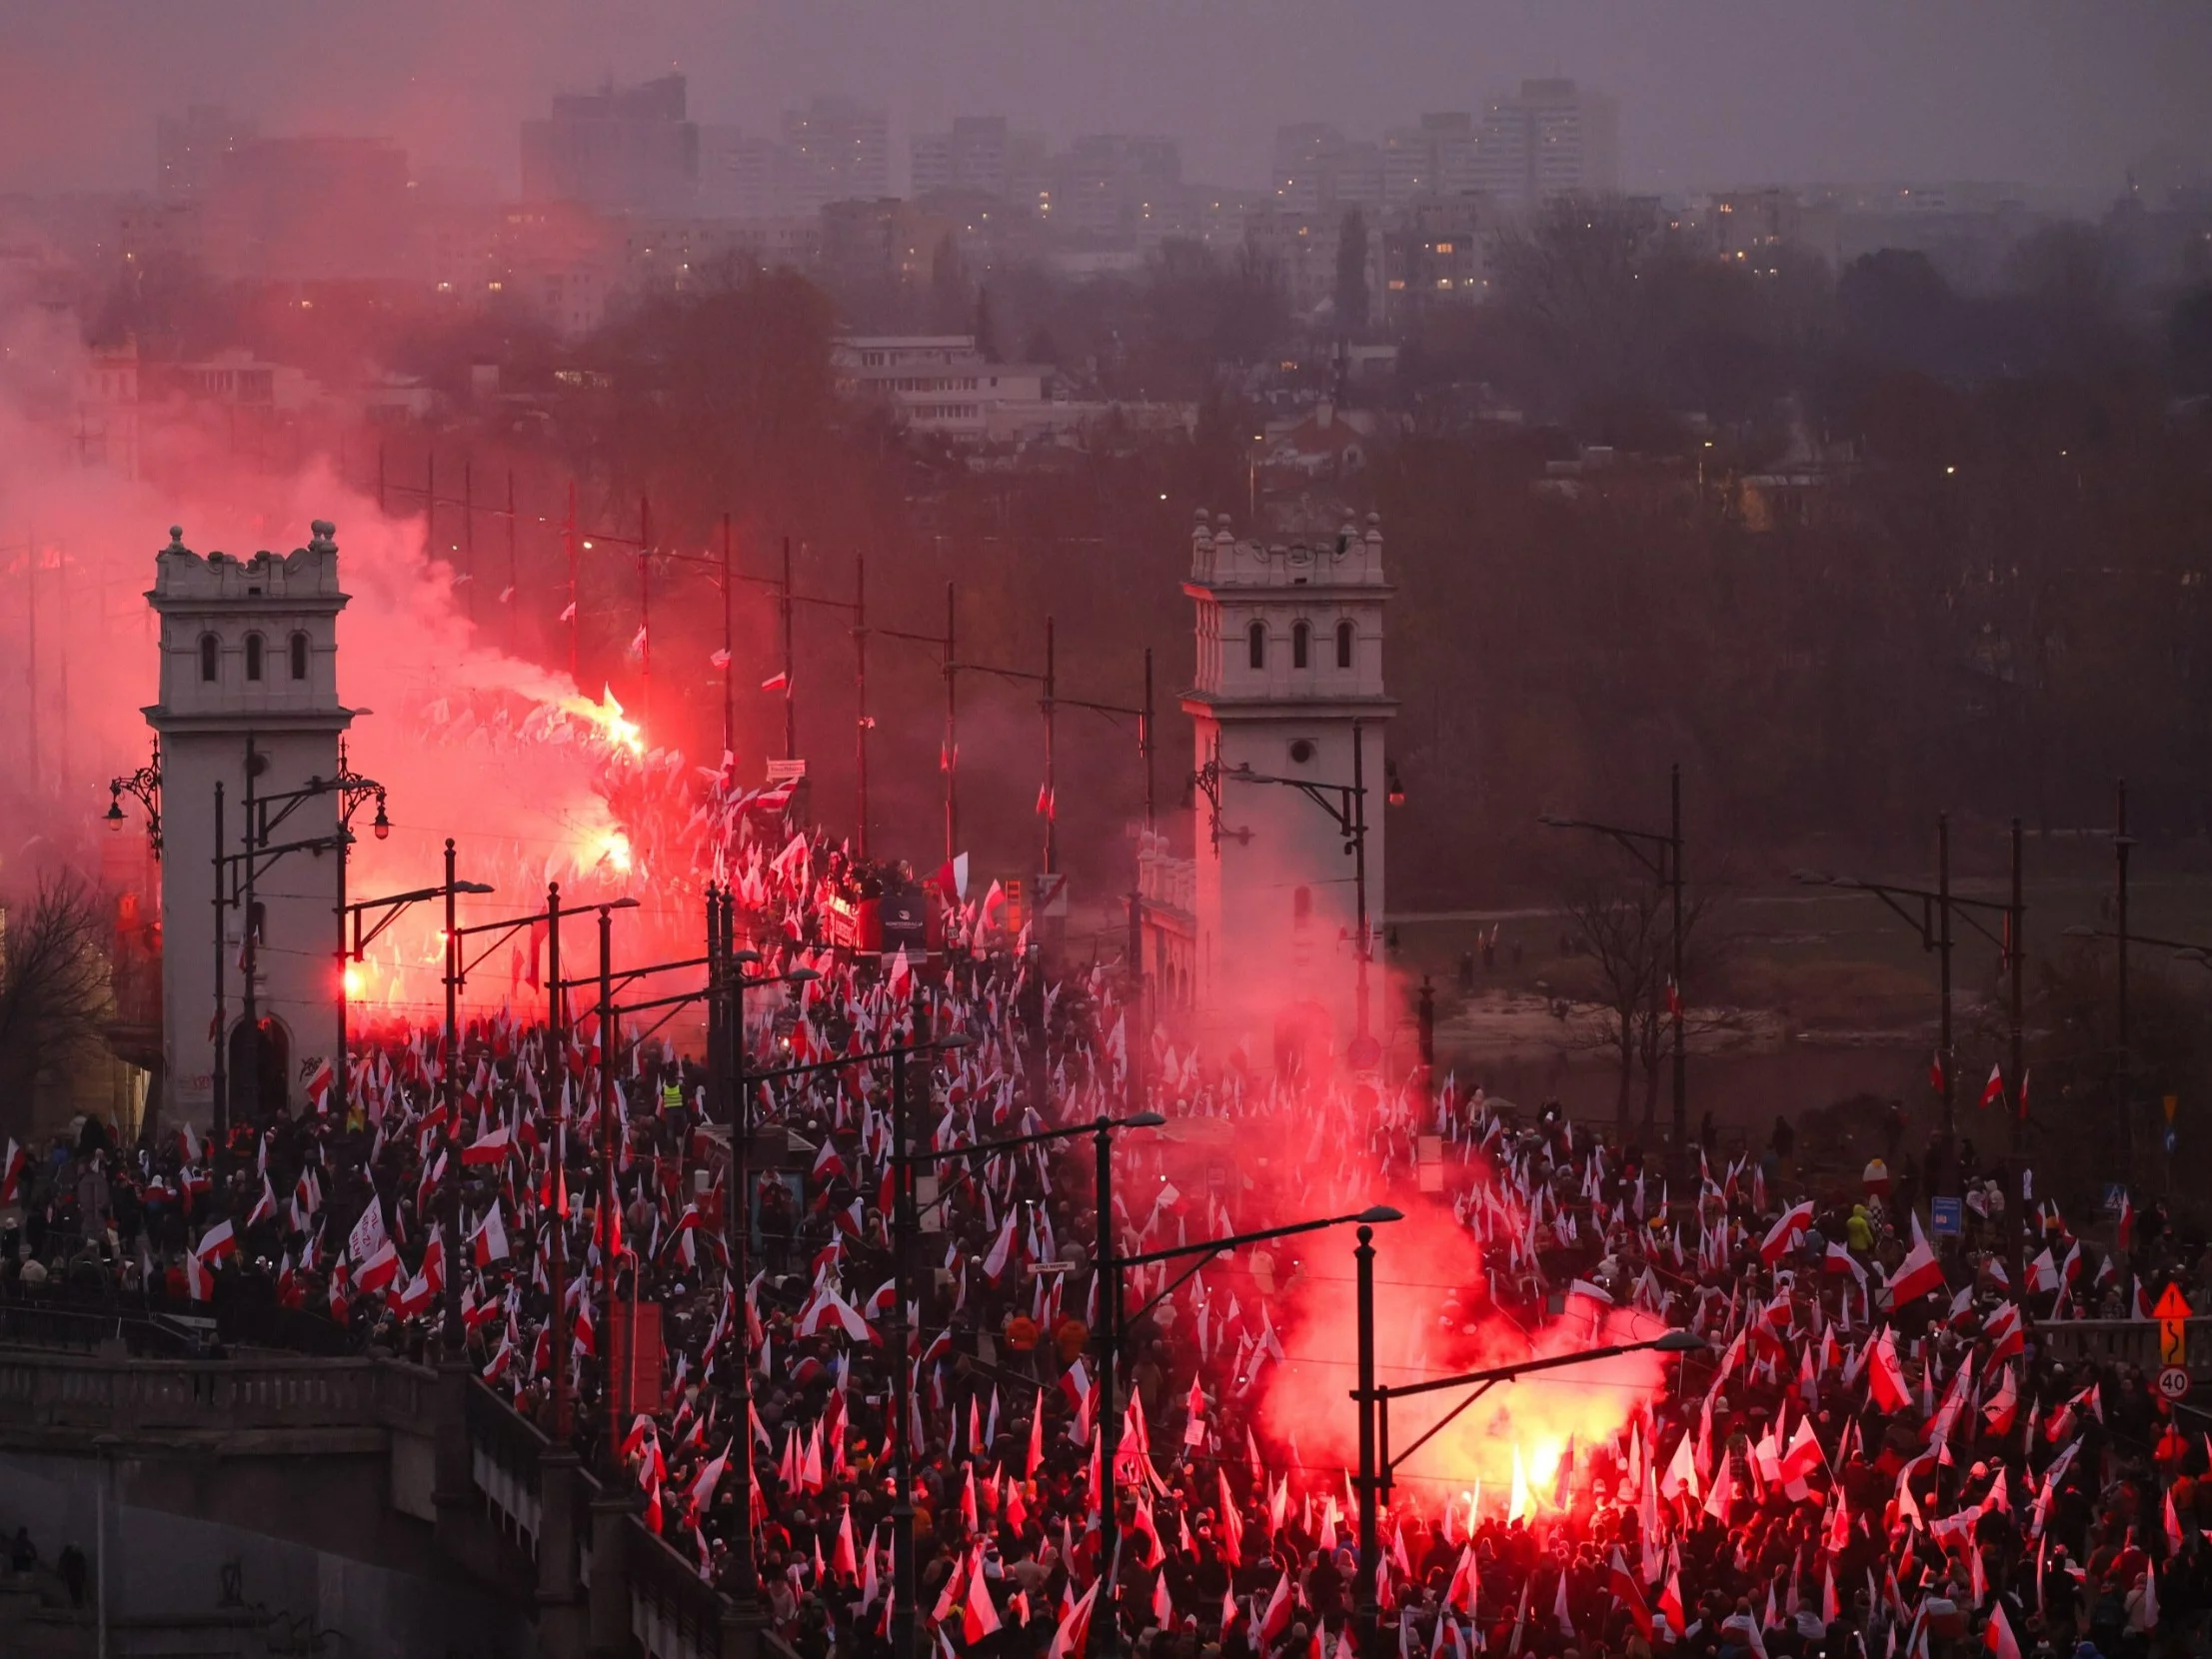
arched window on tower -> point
(1343, 645)
(211, 657)
(253, 657)
(1302, 645)
(1256, 640)
(299, 656)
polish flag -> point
(1628, 1593)
(2003, 1406)
(1069, 1639)
(1885, 1378)
(491, 1238)
(2042, 1273)
(777, 681)
(2007, 1336)
(1803, 1455)
(1839, 1260)
(1999, 1637)
(1917, 1274)
(380, 1270)
(1781, 1236)
(216, 1243)
(1671, 1603)
(11, 1172)
(490, 1147)
(1993, 1090)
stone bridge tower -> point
(249, 679)
(1288, 708)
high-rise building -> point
(1306, 156)
(1109, 186)
(1319, 171)
(1549, 139)
(974, 158)
(739, 174)
(189, 149)
(618, 149)
(1433, 158)
(839, 149)
(312, 209)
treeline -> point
(1916, 548)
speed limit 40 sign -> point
(2173, 1382)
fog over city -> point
(1716, 93)
(841, 831)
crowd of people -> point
(1877, 1450)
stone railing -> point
(597, 1562)
(516, 1511)
(78, 1392)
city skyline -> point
(1720, 97)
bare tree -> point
(53, 991)
(1630, 944)
(1626, 938)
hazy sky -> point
(1712, 92)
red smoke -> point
(1434, 1319)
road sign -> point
(2170, 1102)
(1946, 1218)
(2173, 1382)
(2170, 1140)
(2172, 1315)
(1051, 894)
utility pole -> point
(513, 561)
(729, 651)
(2016, 961)
(1360, 1033)
(861, 723)
(1050, 803)
(248, 1096)
(950, 759)
(574, 618)
(1105, 1614)
(645, 606)
(1943, 948)
(2122, 844)
(902, 1395)
(221, 1086)
(1674, 985)
(448, 1094)
(791, 711)
(611, 1229)
(468, 532)
(1366, 1609)
(556, 1061)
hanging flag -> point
(778, 682)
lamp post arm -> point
(1383, 1397)
(1215, 1246)
(1506, 1373)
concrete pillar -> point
(609, 1602)
(741, 1625)
(561, 1618)
(453, 1477)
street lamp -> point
(144, 786)
(1346, 805)
(1106, 1637)
(902, 1222)
(1375, 1460)
(1662, 854)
